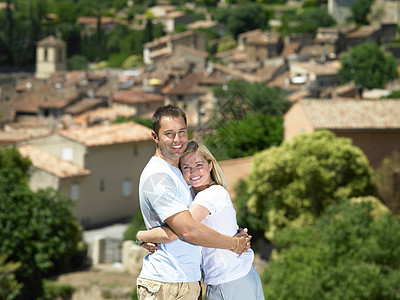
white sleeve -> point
(213, 198)
(161, 193)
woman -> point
(227, 275)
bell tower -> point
(51, 56)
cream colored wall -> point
(295, 122)
(40, 179)
(44, 68)
(55, 143)
(112, 164)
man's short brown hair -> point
(166, 111)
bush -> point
(53, 291)
(351, 252)
(38, 229)
(77, 62)
(136, 224)
(9, 286)
(294, 183)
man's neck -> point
(171, 161)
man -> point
(173, 271)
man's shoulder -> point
(156, 165)
(157, 170)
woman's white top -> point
(221, 265)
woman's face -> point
(196, 169)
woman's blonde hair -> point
(217, 174)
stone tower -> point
(51, 56)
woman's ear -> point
(210, 165)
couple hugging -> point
(193, 233)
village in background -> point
(66, 121)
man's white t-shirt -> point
(162, 193)
(221, 265)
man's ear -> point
(154, 136)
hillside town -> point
(318, 186)
(62, 120)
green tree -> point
(135, 225)
(239, 138)
(351, 252)
(77, 62)
(9, 286)
(243, 18)
(313, 17)
(256, 97)
(368, 66)
(360, 10)
(37, 229)
(294, 183)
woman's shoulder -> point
(215, 190)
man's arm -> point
(185, 226)
(164, 234)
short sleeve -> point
(213, 198)
(162, 195)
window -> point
(74, 193)
(67, 153)
(126, 188)
(45, 55)
(102, 185)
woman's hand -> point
(149, 246)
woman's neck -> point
(203, 187)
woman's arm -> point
(161, 234)
(198, 212)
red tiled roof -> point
(50, 163)
(135, 96)
(82, 106)
(18, 135)
(108, 134)
(187, 86)
(352, 114)
(363, 31)
(51, 41)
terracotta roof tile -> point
(186, 86)
(108, 134)
(353, 114)
(18, 135)
(50, 163)
(364, 31)
(83, 105)
(134, 96)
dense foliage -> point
(27, 22)
(351, 252)
(245, 137)
(37, 229)
(244, 17)
(368, 66)
(135, 225)
(294, 183)
(9, 286)
(237, 97)
(360, 11)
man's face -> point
(172, 139)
